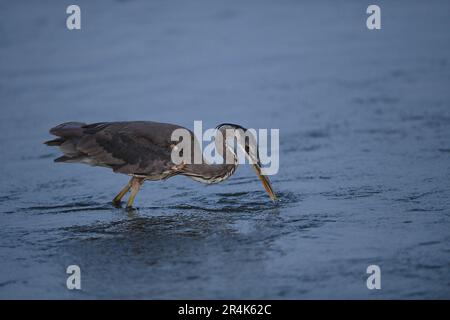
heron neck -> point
(209, 173)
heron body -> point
(140, 149)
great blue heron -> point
(142, 150)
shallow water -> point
(364, 120)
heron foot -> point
(117, 204)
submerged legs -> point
(134, 184)
(122, 193)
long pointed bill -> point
(252, 155)
(265, 181)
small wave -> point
(69, 207)
(352, 193)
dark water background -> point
(364, 120)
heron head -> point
(236, 140)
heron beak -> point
(254, 160)
(265, 182)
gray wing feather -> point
(139, 147)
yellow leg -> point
(122, 193)
(135, 186)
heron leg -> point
(122, 193)
(136, 184)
